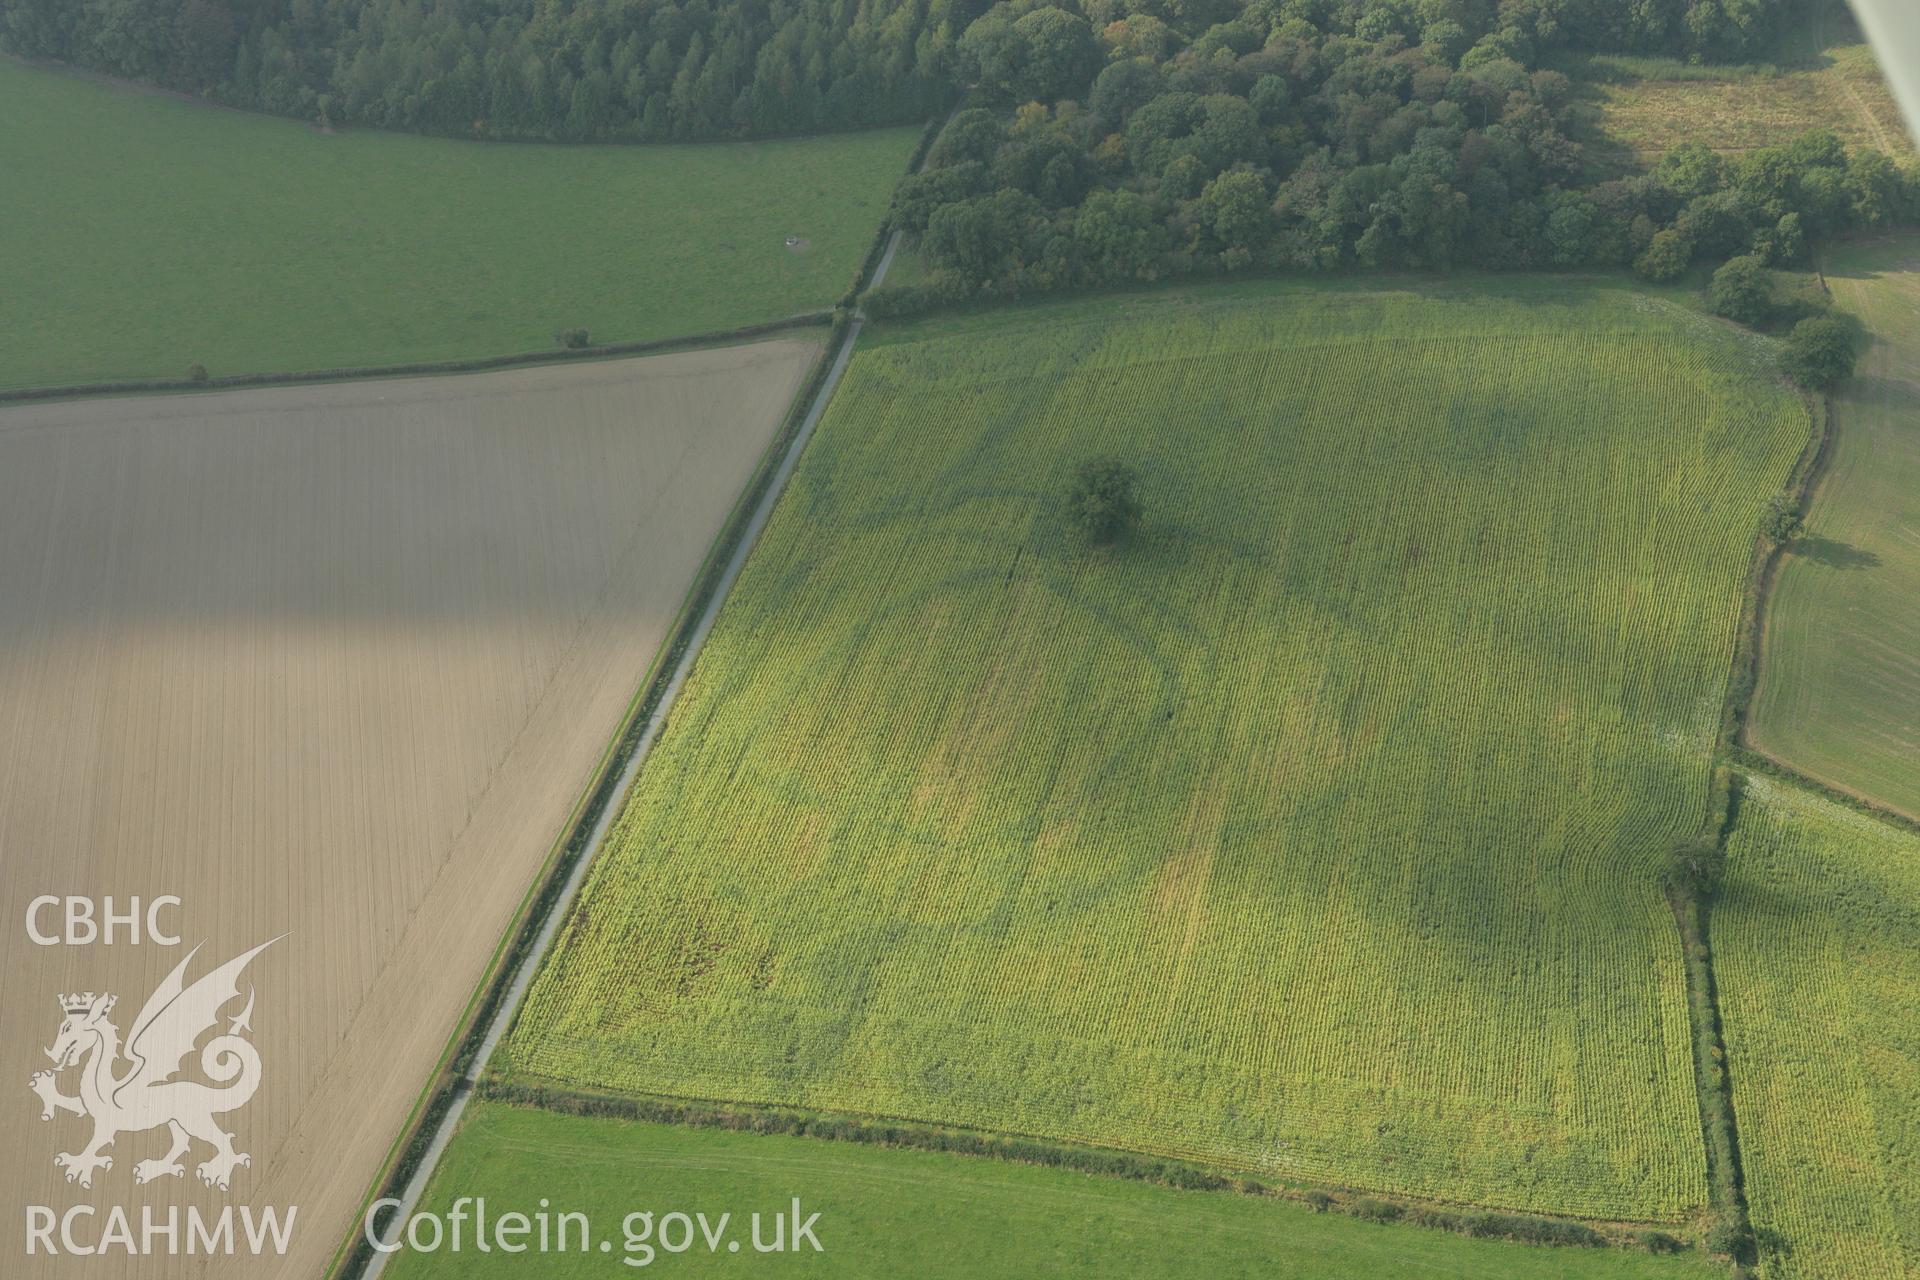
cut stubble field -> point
(1315, 833)
(140, 234)
(337, 663)
(1823, 75)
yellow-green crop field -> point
(1315, 832)
(1817, 956)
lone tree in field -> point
(1104, 503)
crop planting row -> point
(1313, 832)
(1817, 953)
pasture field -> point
(1315, 832)
(1817, 956)
(892, 1212)
(140, 233)
(1643, 107)
(1839, 694)
(333, 662)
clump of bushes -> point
(1378, 1210)
(1746, 292)
(196, 372)
(1742, 291)
(572, 339)
(943, 288)
(1726, 1236)
(1820, 352)
(1782, 521)
(1666, 257)
(1696, 867)
(1658, 1242)
(1507, 1226)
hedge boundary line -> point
(1748, 760)
(877, 247)
(1180, 1175)
(1730, 1231)
(1750, 639)
(477, 364)
(449, 1081)
(1799, 493)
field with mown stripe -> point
(1817, 956)
(140, 234)
(1839, 693)
(1316, 831)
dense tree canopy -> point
(559, 69)
(1820, 352)
(1113, 139)
(661, 69)
(1312, 134)
(1742, 291)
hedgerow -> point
(1314, 831)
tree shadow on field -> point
(1899, 394)
(1834, 555)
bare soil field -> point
(334, 663)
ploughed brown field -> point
(333, 662)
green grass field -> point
(890, 1213)
(1839, 694)
(140, 233)
(1817, 955)
(1315, 833)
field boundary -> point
(1762, 569)
(427, 368)
(1730, 1231)
(1751, 760)
(1691, 896)
(452, 1080)
(449, 1080)
(1461, 1217)
(504, 1084)
(1740, 748)
(495, 1003)
(885, 234)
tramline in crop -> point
(1314, 830)
(1818, 957)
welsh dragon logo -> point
(145, 1095)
